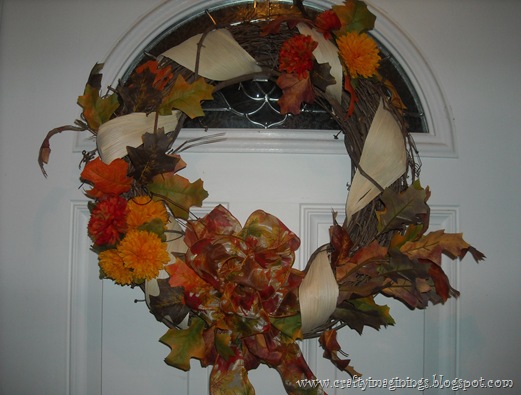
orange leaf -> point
(106, 179)
(295, 92)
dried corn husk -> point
(384, 159)
(318, 291)
(326, 52)
(175, 245)
(221, 56)
(115, 135)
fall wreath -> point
(228, 292)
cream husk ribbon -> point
(115, 135)
(318, 291)
(384, 159)
(221, 56)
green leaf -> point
(96, 110)
(187, 97)
(178, 193)
(185, 344)
(407, 207)
(357, 313)
(354, 16)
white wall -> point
(47, 49)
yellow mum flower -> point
(143, 209)
(360, 54)
(143, 253)
(112, 265)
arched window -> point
(245, 110)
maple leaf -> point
(187, 97)
(185, 344)
(169, 303)
(143, 91)
(357, 313)
(96, 110)
(178, 193)
(150, 158)
(107, 179)
(354, 16)
(295, 91)
(329, 343)
(403, 208)
(321, 75)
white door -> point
(63, 331)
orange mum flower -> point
(296, 55)
(113, 267)
(107, 220)
(143, 209)
(143, 253)
(360, 54)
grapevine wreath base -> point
(229, 293)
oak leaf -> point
(295, 91)
(107, 179)
(403, 208)
(185, 344)
(432, 245)
(332, 349)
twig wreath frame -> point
(228, 292)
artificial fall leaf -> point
(106, 179)
(187, 97)
(371, 254)
(96, 110)
(169, 303)
(295, 91)
(185, 344)
(432, 245)
(144, 90)
(357, 313)
(354, 16)
(329, 343)
(403, 208)
(178, 193)
(150, 158)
